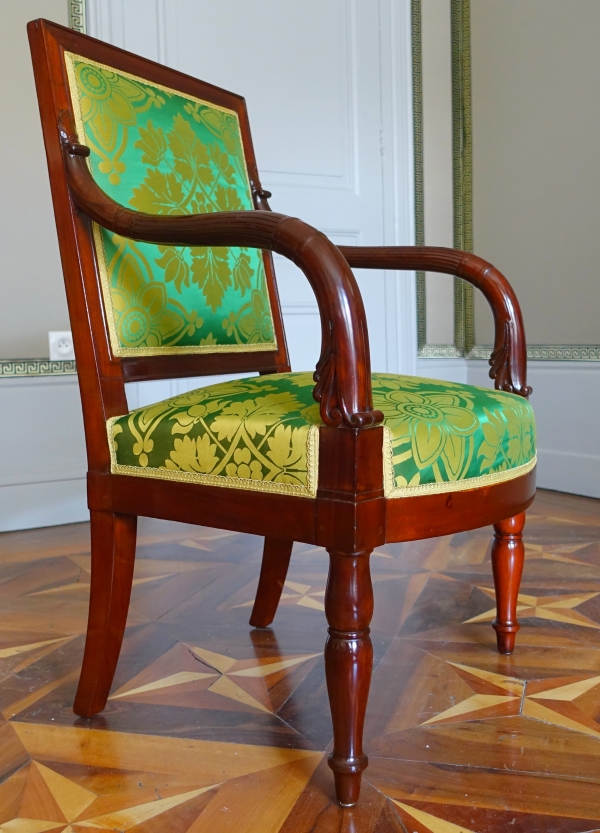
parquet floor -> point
(214, 727)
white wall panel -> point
(42, 453)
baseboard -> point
(563, 471)
(42, 504)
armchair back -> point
(160, 143)
(166, 152)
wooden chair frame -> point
(350, 515)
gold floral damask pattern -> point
(262, 433)
(441, 436)
(161, 152)
(252, 433)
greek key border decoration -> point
(77, 15)
(11, 368)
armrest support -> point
(343, 373)
(509, 357)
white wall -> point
(32, 295)
(536, 180)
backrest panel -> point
(162, 151)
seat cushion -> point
(262, 433)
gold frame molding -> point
(462, 163)
(15, 368)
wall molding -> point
(547, 352)
(11, 368)
(535, 352)
(77, 15)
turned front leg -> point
(348, 666)
(508, 554)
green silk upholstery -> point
(163, 152)
(262, 433)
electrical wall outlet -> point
(61, 346)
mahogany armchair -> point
(165, 236)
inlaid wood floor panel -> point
(212, 726)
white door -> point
(327, 84)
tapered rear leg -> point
(275, 563)
(507, 564)
(113, 555)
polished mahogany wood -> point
(240, 510)
(113, 540)
(275, 563)
(509, 357)
(350, 515)
(414, 518)
(406, 519)
(508, 555)
(348, 666)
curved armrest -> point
(343, 373)
(509, 357)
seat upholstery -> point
(262, 433)
(164, 152)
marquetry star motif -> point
(551, 701)
(554, 608)
(561, 552)
(66, 806)
(14, 650)
(243, 681)
(85, 585)
(495, 696)
(433, 824)
(580, 555)
(296, 593)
